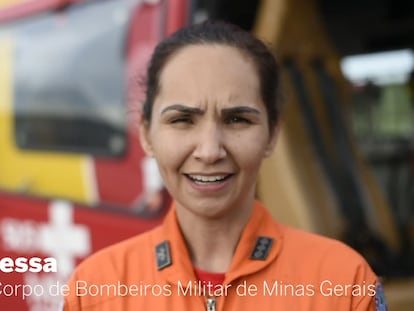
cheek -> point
(250, 156)
(254, 158)
(170, 152)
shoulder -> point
(119, 258)
(333, 267)
(117, 265)
(301, 242)
(331, 256)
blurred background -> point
(74, 179)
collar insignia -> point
(262, 248)
(163, 255)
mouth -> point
(208, 179)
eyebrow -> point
(184, 109)
(239, 110)
(198, 111)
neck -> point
(213, 241)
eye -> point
(181, 120)
(237, 120)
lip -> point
(210, 187)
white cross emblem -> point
(62, 239)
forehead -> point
(216, 52)
(209, 70)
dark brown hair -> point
(218, 33)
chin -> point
(212, 208)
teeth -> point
(207, 178)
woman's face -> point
(209, 131)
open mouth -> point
(204, 180)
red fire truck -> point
(69, 89)
(74, 179)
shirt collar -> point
(258, 246)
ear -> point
(272, 140)
(144, 136)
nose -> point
(209, 146)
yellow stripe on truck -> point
(49, 174)
(5, 3)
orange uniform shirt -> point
(275, 267)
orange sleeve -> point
(366, 303)
(71, 302)
(368, 281)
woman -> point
(209, 119)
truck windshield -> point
(69, 79)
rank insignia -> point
(261, 248)
(162, 254)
